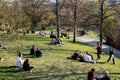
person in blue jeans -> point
(112, 52)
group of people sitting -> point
(36, 51)
(23, 65)
(77, 55)
(42, 33)
(91, 75)
(56, 41)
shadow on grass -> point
(77, 42)
(58, 77)
(34, 38)
(100, 62)
(28, 56)
(9, 69)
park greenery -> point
(20, 19)
(54, 65)
(101, 16)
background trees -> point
(38, 11)
(24, 15)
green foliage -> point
(54, 65)
(110, 28)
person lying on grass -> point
(76, 55)
(88, 58)
(83, 58)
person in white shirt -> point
(19, 61)
(88, 58)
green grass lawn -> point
(54, 65)
(93, 35)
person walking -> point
(99, 50)
(111, 56)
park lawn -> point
(54, 65)
(92, 35)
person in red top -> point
(91, 74)
(99, 50)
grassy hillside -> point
(54, 65)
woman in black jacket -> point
(26, 65)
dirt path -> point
(93, 42)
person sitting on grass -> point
(91, 74)
(32, 50)
(19, 61)
(38, 52)
(52, 35)
(26, 65)
(59, 42)
(53, 41)
(106, 76)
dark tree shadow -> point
(9, 69)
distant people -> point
(99, 50)
(53, 41)
(26, 65)
(91, 74)
(19, 61)
(59, 42)
(42, 33)
(111, 56)
(88, 58)
(52, 35)
(32, 50)
(106, 76)
(38, 53)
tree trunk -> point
(57, 16)
(101, 21)
(75, 18)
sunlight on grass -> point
(54, 65)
